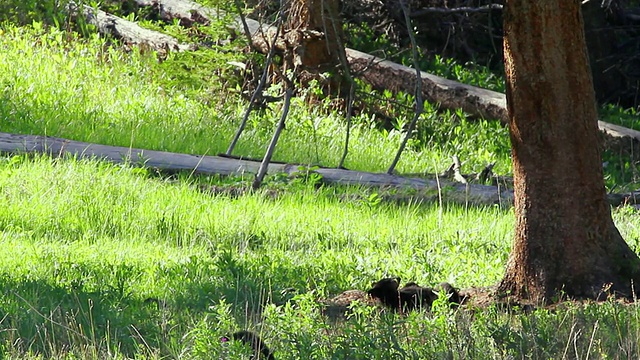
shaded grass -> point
(86, 243)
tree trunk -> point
(563, 244)
(314, 33)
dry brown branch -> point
(457, 10)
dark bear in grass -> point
(410, 297)
(414, 296)
(260, 349)
(452, 293)
(386, 290)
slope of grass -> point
(102, 239)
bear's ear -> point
(387, 283)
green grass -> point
(84, 244)
(84, 90)
(79, 234)
(103, 261)
(57, 84)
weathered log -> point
(384, 74)
(185, 11)
(618, 131)
(127, 31)
(172, 162)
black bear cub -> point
(260, 349)
(412, 296)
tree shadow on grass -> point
(53, 316)
(40, 318)
(248, 284)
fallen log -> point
(129, 32)
(474, 194)
(384, 74)
(185, 11)
(428, 189)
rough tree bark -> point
(563, 244)
(314, 33)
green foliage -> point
(119, 262)
(57, 84)
(469, 73)
(27, 11)
(363, 38)
(205, 73)
(616, 115)
(133, 254)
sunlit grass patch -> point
(81, 232)
(57, 84)
(104, 261)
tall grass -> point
(85, 244)
(103, 261)
(56, 84)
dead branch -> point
(263, 80)
(457, 174)
(457, 10)
(196, 164)
(418, 90)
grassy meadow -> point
(104, 261)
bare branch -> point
(418, 90)
(458, 10)
(344, 63)
(258, 92)
(264, 166)
(352, 89)
(457, 174)
(245, 26)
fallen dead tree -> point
(426, 189)
(129, 32)
(215, 165)
(378, 72)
